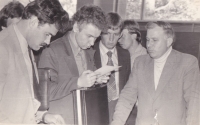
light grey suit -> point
(176, 100)
(16, 99)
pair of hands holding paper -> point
(101, 75)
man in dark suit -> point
(119, 57)
(71, 57)
(165, 81)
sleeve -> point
(126, 100)
(61, 84)
(3, 73)
(128, 65)
(192, 93)
(39, 116)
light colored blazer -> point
(176, 100)
(16, 102)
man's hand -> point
(103, 79)
(53, 119)
(87, 78)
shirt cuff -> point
(39, 115)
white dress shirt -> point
(104, 60)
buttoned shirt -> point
(104, 60)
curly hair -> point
(90, 14)
(48, 11)
(12, 10)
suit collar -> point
(18, 54)
(167, 73)
(97, 56)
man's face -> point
(127, 39)
(110, 38)
(86, 36)
(157, 42)
(40, 35)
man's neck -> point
(133, 47)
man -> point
(131, 40)
(18, 105)
(165, 81)
(10, 13)
(72, 59)
(119, 57)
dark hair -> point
(166, 27)
(48, 11)
(113, 20)
(90, 14)
(12, 10)
(133, 28)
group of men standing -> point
(164, 82)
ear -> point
(75, 27)
(133, 36)
(33, 22)
(169, 41)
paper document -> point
(107, 69)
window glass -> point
(173, 10)
(133, 9)
(69, 6)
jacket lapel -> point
(97, 57)
(20, 58)
(121, 72)
(69, 58)
(167, 73)
(89, 54)
(149, 74)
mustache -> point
(43, 44)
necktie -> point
(81, 62)
(112, 92)
(35, 82)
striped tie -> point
(112, 92)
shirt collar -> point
(75, 48)
(104, 50)
(21, 39)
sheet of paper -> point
(107, 69)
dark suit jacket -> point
(176, 99)
(59, 56)
(124, 71)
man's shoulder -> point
(122, 51)
(59, 44)
(184, 57)
(143, 57)
(4, 34)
